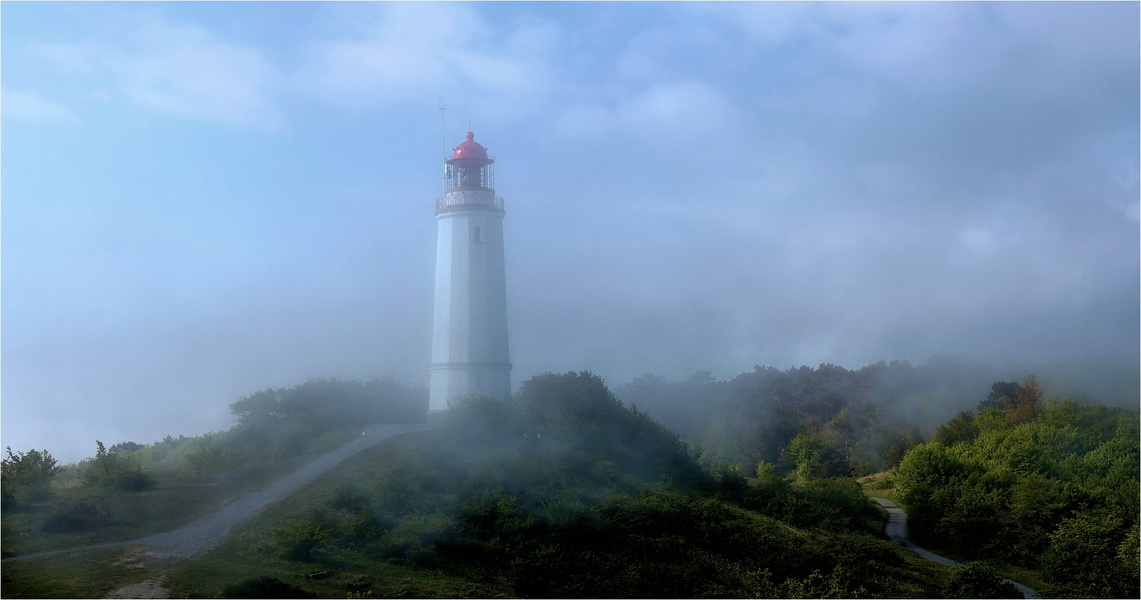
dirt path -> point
(896, 529)
(209, 531)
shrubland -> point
(1049, 486)
(561, 491)
(131, 489)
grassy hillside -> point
(561, 492)
(129, 490)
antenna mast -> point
(443, 104)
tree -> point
(28, 475)
(998, 391)
(1084, 560)
(961, 428)
(125, 447)
(114, 470)
(1025, 404)
(815, 456)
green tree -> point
(998, 391)
(28, 475)
(961, 428)
(815, 456)
(1083, 558)
(114, 470)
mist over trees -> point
(822, 422)
(561, 491)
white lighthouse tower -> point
(469, 330)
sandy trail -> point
(210, 530)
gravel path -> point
(209, 531)
(896, 529)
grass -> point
(84, 574)
(173, 501)
(878, 485)
(248, 552)
(347, 575)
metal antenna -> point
(443, 143)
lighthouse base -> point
(451, 382)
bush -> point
(116, 471)
(264, 587)
(979, 580)
(297, 540)
(211, 457)
(68, 517)
(1084, 558)
(27, 476)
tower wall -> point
(469, 337)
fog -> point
(203, 200)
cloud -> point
(399, 52)
(30, 106)
(175, 69)
(679, 111)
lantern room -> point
(469, 167)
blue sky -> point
(200, 200)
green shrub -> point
(979, 580)
(116, 471)
(84, 515)
(1084, 558)
(264, 587)
(297, 540)
(27, 476)
(210, 457)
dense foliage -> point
(1051, 487)
(822, 422)
(114, 470)
(563, 492)
(27, 476)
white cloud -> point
(176, 69)
(30, 106)
(688, 110)
(401, 51)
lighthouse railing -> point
(459, 198)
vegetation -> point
(132, 489)
(1052, 487)
(979, 580)
(26, 477)
(823, 422)
(563, 492)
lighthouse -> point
(469, 329)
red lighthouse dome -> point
(470, 150)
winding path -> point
(896, 529)
(209, 530)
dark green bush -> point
(297, 540)
(69, 517)
(264, 587)
(979, 580)
(26, 477)
(116, 471)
